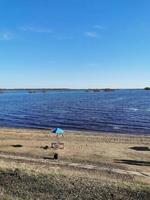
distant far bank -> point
(147, 88)
(33, 90)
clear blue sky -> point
(74, 43)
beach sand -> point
(112, 160)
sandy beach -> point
(102, 157)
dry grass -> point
(27, 187)
(28, 182)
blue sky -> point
(74, 43)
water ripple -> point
(126, 111)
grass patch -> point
(17, 185)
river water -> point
(120, 111)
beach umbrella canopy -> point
(58, 131)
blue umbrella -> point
(58, 131)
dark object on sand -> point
(55, 156)
(140, 148)
(48, 158)
(45, 147)
(134, 162)
(17, 145)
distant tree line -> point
(147, 88)
(44, 90)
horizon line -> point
(65, 88)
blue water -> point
(122, 111)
